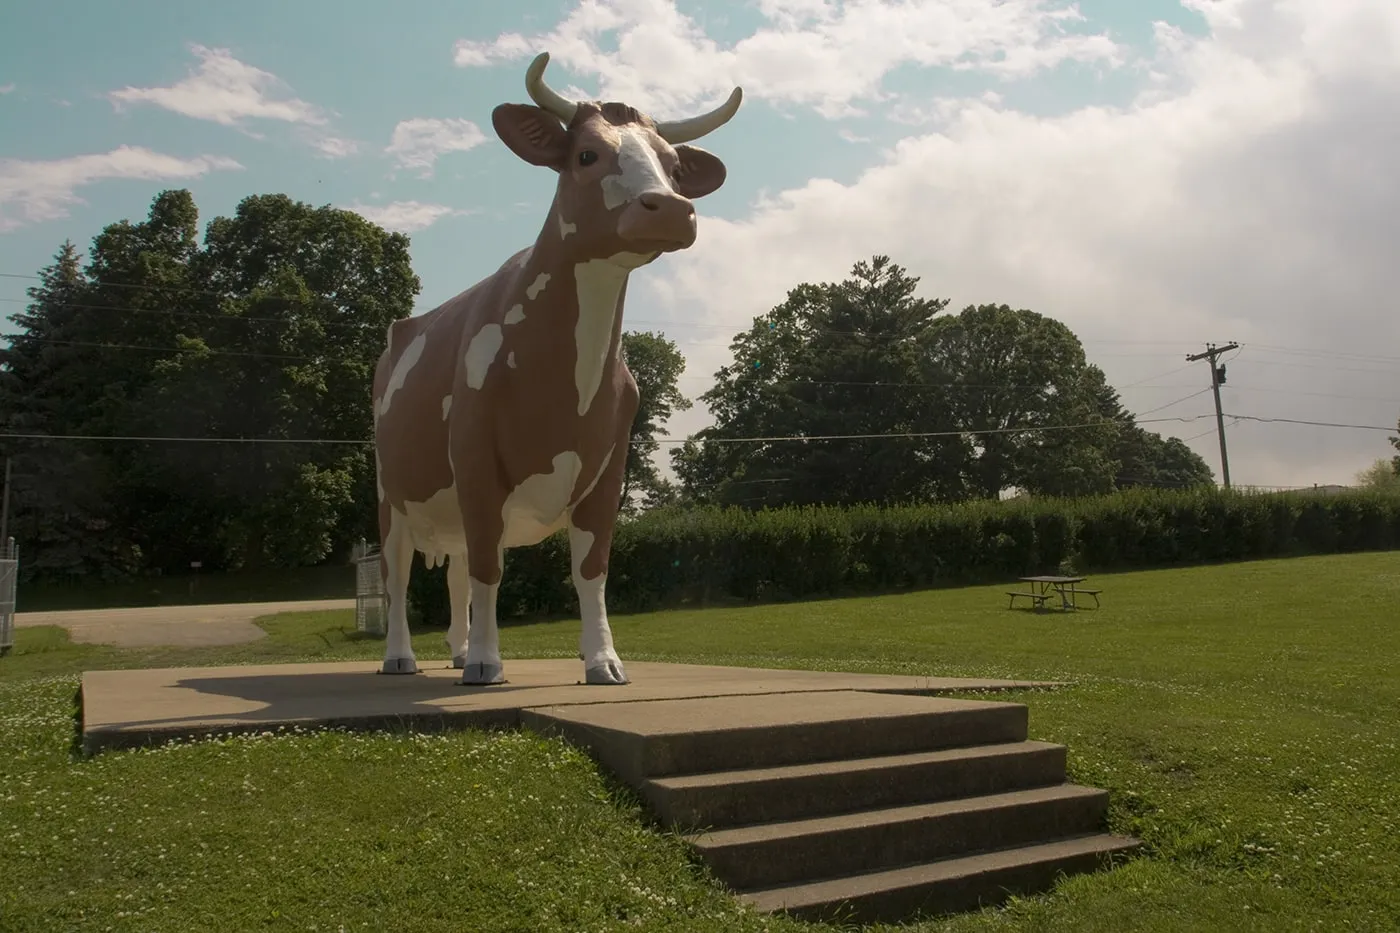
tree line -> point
(263, 334)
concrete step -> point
(722, 799)
(850, 843)
(944, 886)
(638, 741)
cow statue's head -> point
(626, 182)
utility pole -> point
(1217, 378)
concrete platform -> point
(139, 707)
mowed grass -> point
(1246, 719)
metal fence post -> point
(9, 585)
(370, 615)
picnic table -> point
(1041, 588)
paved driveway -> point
(181, 626)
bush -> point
(704, 556)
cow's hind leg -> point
(397, 557)
(459, 591)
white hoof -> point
(480, 673)
(459, 661)
(609, 672)
(399, 666)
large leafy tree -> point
(656, 363)
(1020, 386)
(299, 300)
(1145, 458)
(835, 362)
(269, 329)
(61, 498)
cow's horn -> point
(676, 132)
(544, 95)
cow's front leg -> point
(459, 592)
(591, 524)
(601, 665)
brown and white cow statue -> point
(503, 415)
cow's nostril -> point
(650, 202)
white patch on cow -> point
(595, 641)
(519, 259)
(638, 171)
(539, 506)
(537, 286)
(446, 406)
(481, 353)
(566, 228)
(600, 283)
(510, 359)
(435, 526)
(607, 458)
(411, 354)
(516, 314)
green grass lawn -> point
(1246, 719)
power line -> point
(658, 440)
(208, 315)
(199, 350)
(1317, 424)
(1177, 402)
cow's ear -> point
(534, 134)
(700, 172)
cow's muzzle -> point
(658, 220)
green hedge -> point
(710, 556)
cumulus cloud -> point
(334, 147)
(417, 143)
(226, 91)
(35, 191)
(826, 55)
(404, 216)
(1247, 194)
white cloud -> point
(31, 192)
(226, 91)
(1249, 194)
(822, 54)
(334, 147)
(404, 216)
(418, 143)
(7, 88)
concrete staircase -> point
(853, 805)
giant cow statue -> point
(503, 415)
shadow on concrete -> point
(358, 701)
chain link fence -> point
(371, 605)
(9, 585)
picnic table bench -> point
(1043, 588)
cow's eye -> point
(587, 157)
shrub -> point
(703, 556)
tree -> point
(1380, 475)
(1019, 384)
(301, 301)
(61, 498)
(656, 363)
(268, 330)
(1145, 458)
(833, 360)
(1395, 442)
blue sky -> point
(1146, 172)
